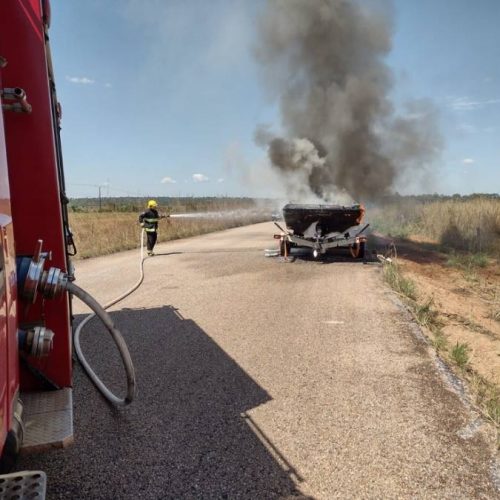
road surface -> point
(260, 379)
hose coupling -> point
(33, 279)
(37, 341)
(53, 283)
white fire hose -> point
(100, 311)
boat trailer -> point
(322, 228)
(321, 244)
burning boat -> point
(322, 228)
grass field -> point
(465, 224)
(469, 226)
(109, 232)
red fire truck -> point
(36, 276)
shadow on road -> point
(418, 252)
(331, 257)
(187, 435)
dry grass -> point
(401, 284)
(109, 232)
(397, 219)
(487, 397)
(471, 225)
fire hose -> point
(100, 312)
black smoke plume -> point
(324, 60)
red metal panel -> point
(34, 185)
(9, 363)
(4, 399)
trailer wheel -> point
(362, 247)
(284, 248)
(357, 250)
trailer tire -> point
(357, 250)
(362, 248)
(284, 248)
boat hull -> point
(328, 218)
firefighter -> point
(149, 221)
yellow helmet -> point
(152, 204)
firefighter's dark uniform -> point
(149, 219)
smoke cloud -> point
(324, 61)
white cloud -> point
(108, 85)
(220, 180)
(168, 180)
(468, 161)
(200, 178)
(468, 104)
(83, 80)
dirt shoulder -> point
(465, 295)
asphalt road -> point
(260, 379)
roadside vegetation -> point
(469, 224)
(115, 226)
(181, 204)
(447, 273)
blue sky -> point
(167, 90)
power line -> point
(98, 186)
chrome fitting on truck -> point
(32, 279)
(37, 341)
(53, 283)
(17, 94)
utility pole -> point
(100, 186)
